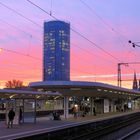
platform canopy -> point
(89, 89)
(26, 94)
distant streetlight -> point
(134, 44)
(0, 49)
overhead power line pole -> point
(119, 71)
(134, 44)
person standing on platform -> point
(20, 115)
(11, 116)
(94, 111)
(75, 111)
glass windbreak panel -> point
(29, 110)
(10, 104)
(2, 109)
(19, 109)
(53, 105)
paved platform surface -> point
(45, 125)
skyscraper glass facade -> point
(56, 65)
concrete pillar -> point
(106, 105)
(91, 105)
(112, 106)
(66, 107)
(133, 104)
(35, 111)
(23, 111)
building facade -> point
(136, 83)
(56, 63)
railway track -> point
(133, 135)
(91, 134)
(113, 128)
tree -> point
(14, 84)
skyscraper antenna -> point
(51, 8)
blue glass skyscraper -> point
(56, 63)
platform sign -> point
(129, 105)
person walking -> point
(11, 116)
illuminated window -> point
(52, 48)
(52, 57)
(49, 72)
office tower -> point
(56, 63)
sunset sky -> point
(106, 27)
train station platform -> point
(44, 124)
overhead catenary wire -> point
(31, 35)
(19, 53)
(103, 21)
(78, 33)
(20, 14)
(85, 72)
(112, 29)
(26, 55)
(12, 51)
(106, 24)
(37, 58)
(9, 66)
(91, 53)
(21, 30)
(11, 9)
(23, 17)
